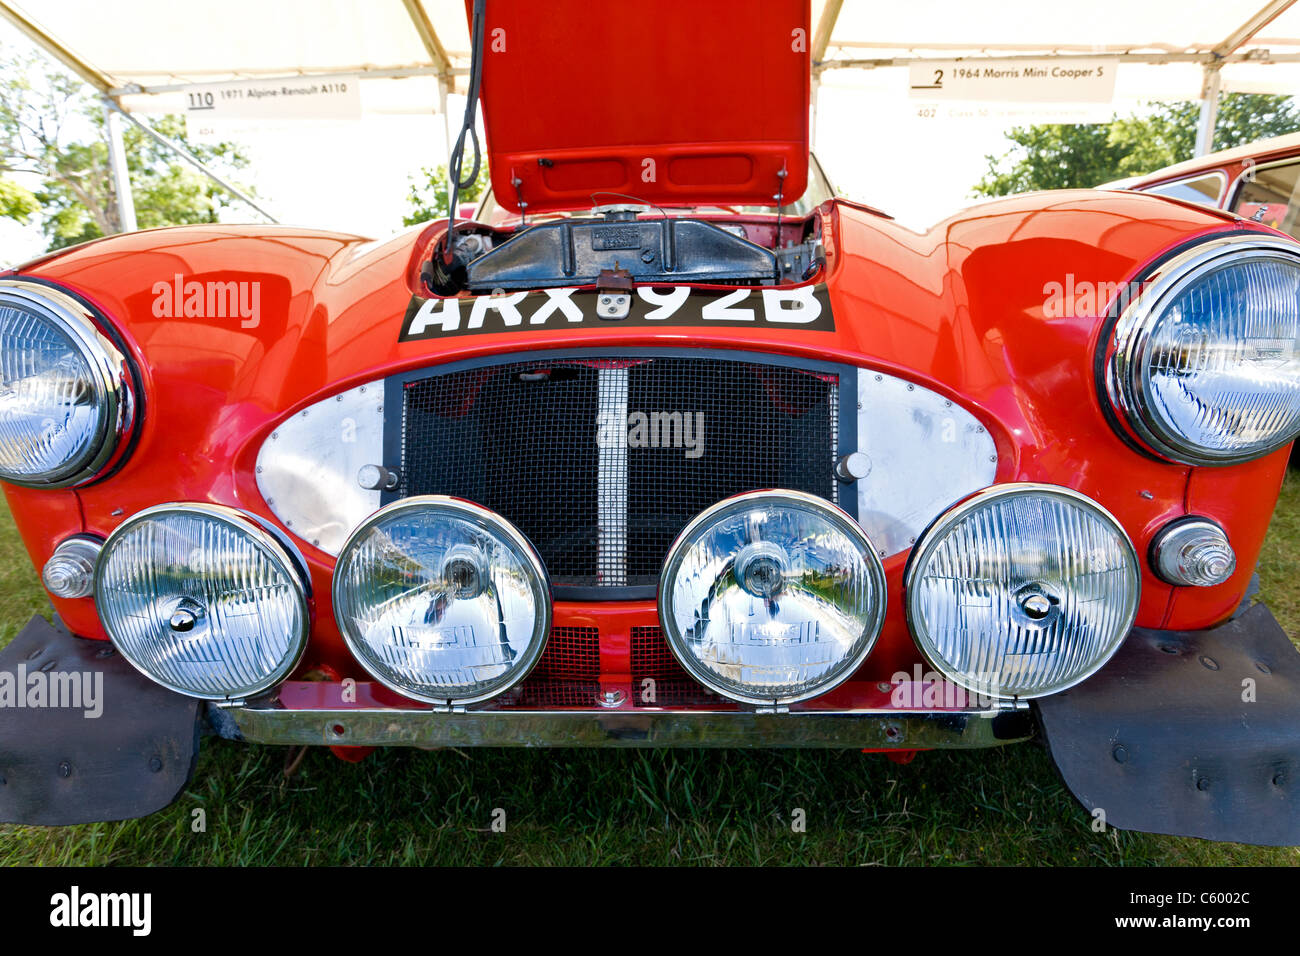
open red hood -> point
(672, 101)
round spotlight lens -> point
(1193, 552)
(772, 597)
(1207, 358)
(1022, 591)
(441, 600)
(203, 600)
(62, 396)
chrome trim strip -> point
(1125, 379)
(107, 366)
(632, 727)
(611, 476)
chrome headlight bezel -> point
(492, 523)
(937, 532)
(1123, 353)
(722, 509)
(109, 373)
(273, 545)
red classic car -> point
(1257, 181)
(671, 453)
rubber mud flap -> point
(60, 766)
(1188, 733)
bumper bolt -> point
(65, 769)
(1120, 754)
(1209, 662)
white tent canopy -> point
(1169, 49)
(1235, 36)
(157, 47)
(143, 55)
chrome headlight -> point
(63, 398)
(442, 600)
(772, 597)
(1206, 363)
(1022, 591)
(203, 600)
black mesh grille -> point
(542, 443)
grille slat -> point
(603, 504)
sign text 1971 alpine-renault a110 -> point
(672, 449)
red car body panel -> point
(959, 310)
(670, 122)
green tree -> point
(16, 202)
(1083, 155)
(428, 197)
(52, 127)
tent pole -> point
(193, 160)
(1209, 109)
(117, 164)
(812, 132)
(446, 120)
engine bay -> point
(619, 244)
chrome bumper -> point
(394, 727)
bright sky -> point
(354, 176)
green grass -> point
(1003, 806)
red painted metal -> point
(715, 120)
(959, 309)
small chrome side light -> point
(1193, 552)
(70, 572)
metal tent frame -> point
(1212, 60)
(442, 66)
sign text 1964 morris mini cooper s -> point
(674, 449)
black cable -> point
(456, 160)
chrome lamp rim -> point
(842, 520)
(1126, 378)
(936, 532)
(267, 542)
(490, 522)
(108, 371)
